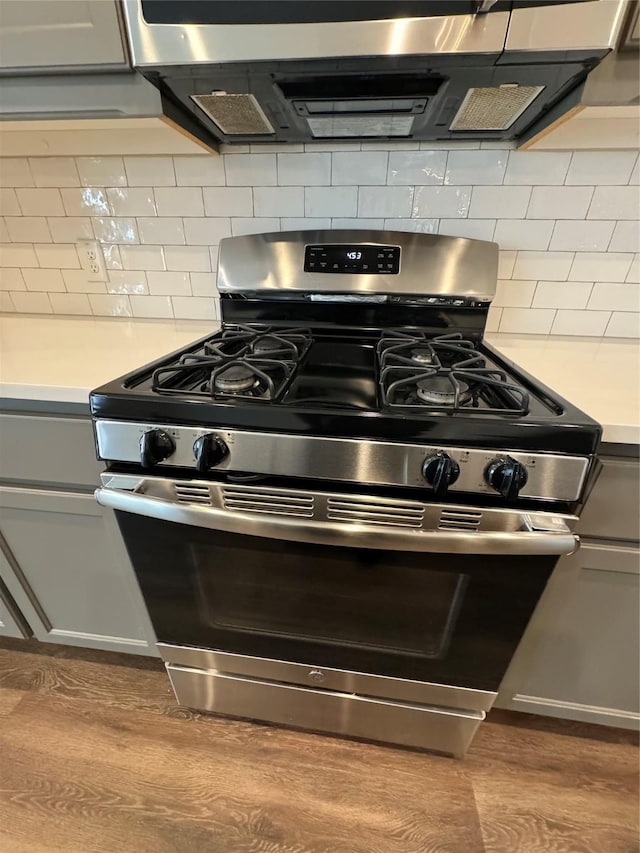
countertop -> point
(60, 359)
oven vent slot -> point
(459, 519)
(189, 493)
(383, 514)
(268, 502)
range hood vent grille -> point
(235, 115)
(494, 107)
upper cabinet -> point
(61, 36)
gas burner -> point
(267, 345)
(441, 390)
(234, 379)
(422, 356)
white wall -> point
(566, 223)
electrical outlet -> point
(92, 259)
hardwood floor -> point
(96, 757)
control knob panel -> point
(209, 450)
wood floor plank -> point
(8, 700)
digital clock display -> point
(365, 259)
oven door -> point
(335, 582)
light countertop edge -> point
(61, 359)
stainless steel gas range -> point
(343, 507)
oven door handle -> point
(556, 541)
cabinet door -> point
(579, 656)
(69, 573)
(12, 624)
(57, 35)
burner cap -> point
(267, 346)
(422, 356)
(235, 379)
(440, 391)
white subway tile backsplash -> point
(566, 224)
(419, 168)
(60, 256)
(562, 294)
(194, 308)
(523, 233)
(28, 229)
(198, 171)
(54, 171)
(476, 167)
(235, 149)
(169, 283)
(475, 229)
(241, 227)
(304, 224)
(150, 171)
(615, 203)
(156, 307)
(70, 303)
(110, 229)
(511, 293)
(228, 201)
(580, 323)
(581, 236)
(31, 303)
(615, 296)
(9, 204)
(559, 202)
(493, 319)
(278, 201)
(330, 201)
(109, 305)
(529, 321)
(626, 237)
(599, 266)
(275, 147)
(204, 231)
(251, 170)
(17, 255)
(143, 257)
(15, 172)
(76, 282)
(304, 170)
(536, 168)
(179, 201)
(359, 168)
(162, 230)
(623, 325)
(597, 167)
(86, 201)
(101, 171)
(44, 281)
(422, 226)
(635, 174)
(188, 258)
(203, 284)
(534, 266)
(36, 202)
(132, 201)
(69, 229)
(11, 279)
(495, 202)
(441, 202)
(127, 281)
(389, 202)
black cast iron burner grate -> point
(240, 362)
(443, 374)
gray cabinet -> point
(579, 657)
(12, 623)
(58, 35)
(64, 562)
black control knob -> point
(507, 476)
(155, 445)
(440, 471)
(209, 450)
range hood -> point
(318, 70)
